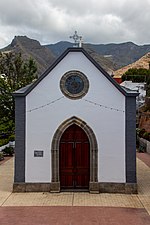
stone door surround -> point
(55, 183)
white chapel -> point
(75, 130)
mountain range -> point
(110, 56)
(143, 62)
(120, 54)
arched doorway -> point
(74, 159)
(55, 150)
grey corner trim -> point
(93, 148)
(130, 139)
(31, 87)
(20, 118)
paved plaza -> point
(72, 208)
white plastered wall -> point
(108, 125)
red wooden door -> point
(74, 159)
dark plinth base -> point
(31, 187)
(124, 188)
(94, 187)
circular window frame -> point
(79, 95)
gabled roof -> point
(26, 90)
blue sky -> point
(98, 21)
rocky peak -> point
(32, 48)
(25, 42)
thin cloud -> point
(50, 21)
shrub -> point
(3, 142)
(1, 156)
(146, 136)
(11, 137)
(8, 151)
(141, 133)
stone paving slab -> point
(113, 200)
(145, 157)
(39, 199)
(142, 200)
(6, 176)
(3, 197)
(72, 199)
(143, 178)
(145, 200)
(143, 175)
(6, 180)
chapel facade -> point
(75, 130)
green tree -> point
(15, 73)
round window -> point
(74, 84)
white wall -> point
(140, 87)
(108, 125)
(10, 144)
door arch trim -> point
(93, 149)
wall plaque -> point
(38, 153)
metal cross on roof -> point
(77, 40)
